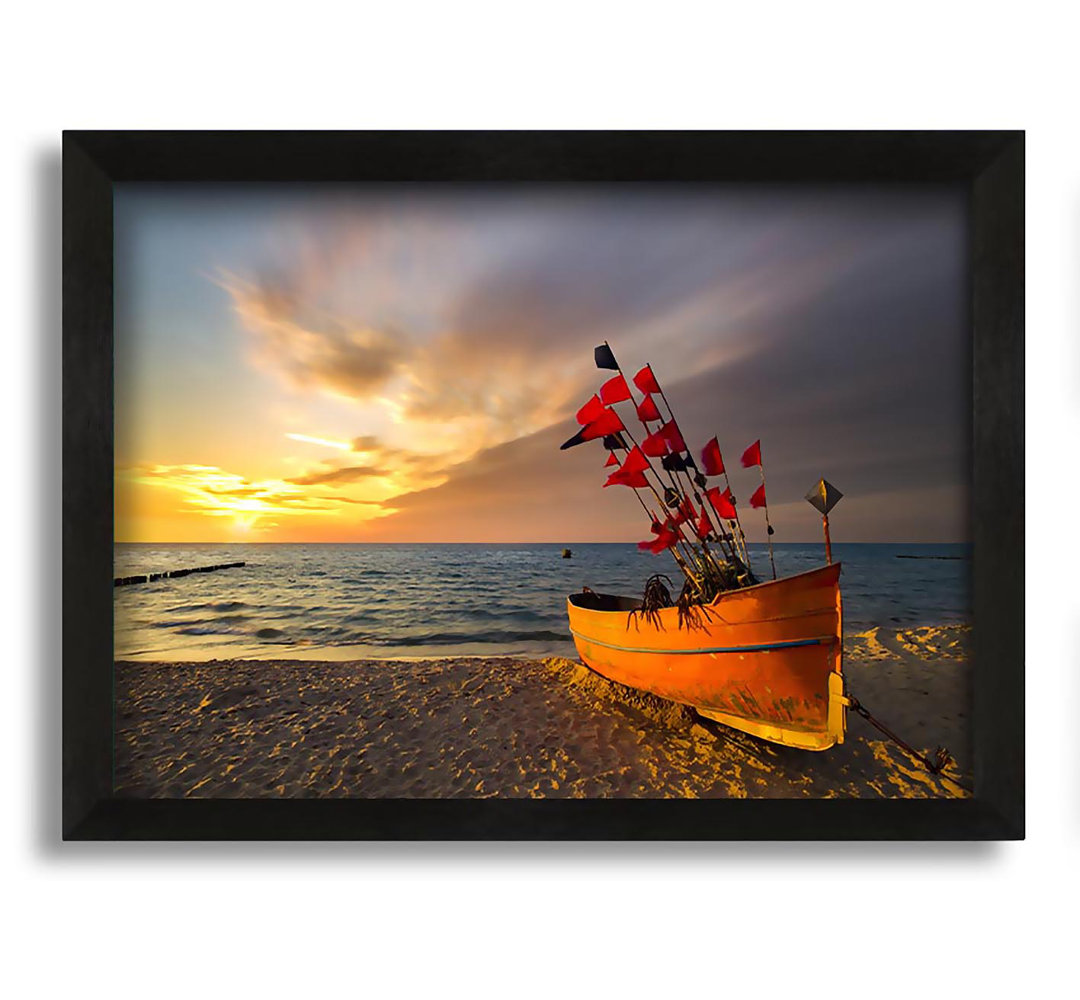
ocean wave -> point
(269, 633)
(208, 606)
(448, 597)
(190, 622)
(210, 630)
(462, 638)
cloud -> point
(214, 492)
(332, 477)
(851, 361)
(344, 499)
(830, 324)
(313, 349)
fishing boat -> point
(764, 659)
(760, 656)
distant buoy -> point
(567, 554)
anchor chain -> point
(941, 760)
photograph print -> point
(542, 491)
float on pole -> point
(823, 496)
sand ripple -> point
(518, 728)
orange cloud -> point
(213, 492)
(346, 474)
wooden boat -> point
(764, 659)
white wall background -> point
(556, 920)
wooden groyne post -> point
(123, 581)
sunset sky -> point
(401, 363)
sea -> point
(419, 601)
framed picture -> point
(340, 415)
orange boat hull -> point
(766, 659)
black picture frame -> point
(988, 164)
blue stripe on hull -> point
(789, 644)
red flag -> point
(615, 390)
(636, 461)
(664, 540)
(607, 423)
(627, 477)
(704, 525)
(655, 444)
(722, 503)
(671, 433)
(752, 455)
(590, 411)
(758, 499)
(712, 459)
(632, 471)
(611, 460)
(646, 381)
(646, 410)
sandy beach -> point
(518, 728)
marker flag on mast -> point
(722, 503)
(674, 463)
(636, 461)
(665, 539)
(758, 499)
(655, 444)
(615, 390)
(611, 460)
(704, 525)
(607, 423)
(752, 455)
(646, 410)
(604, 358)
(712, 459)
(620, 477)
(615, 442)
(646, 381)
(631, 472)
(591, 411)
(673, 436)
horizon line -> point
(564, 543)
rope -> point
(942, 757)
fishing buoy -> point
(567, 554)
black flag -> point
(673, 463)
(614, 442)
(578, 438)
(604, 358)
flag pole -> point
(705, 556)
(691, 489)
(680, 492)
(679, 557)
(768, 526)
(823, 496)
(738, 521)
